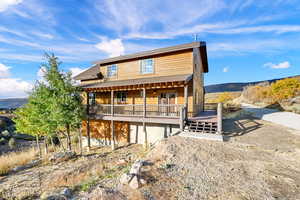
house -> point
(147, 96)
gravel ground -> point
(260, 161)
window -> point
(121, 97)
(147, 66)
(92, 98)
(111, 70)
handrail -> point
(161, 110)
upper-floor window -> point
(112, 70)
(147, 66)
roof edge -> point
(153, 52)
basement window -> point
(147, 66)
(112, 70)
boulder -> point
(134, 183)
(136, 167)
(126, 178)
(62, 156)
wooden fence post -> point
(220, 118)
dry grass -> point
(11, 160)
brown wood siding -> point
(100, 129)
(165, 65)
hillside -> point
(12, 103)
(235, 87)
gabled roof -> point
(139, 81)
(92, 73)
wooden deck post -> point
(112, 129)
(145, 135)
(181, 120)
(144, 100)
(144, 116)
(88, 120)
(219, 118)
(112, 103)
(186, 100)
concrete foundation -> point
(154, 132)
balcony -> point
(152, 113)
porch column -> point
(186, 100)
(144, 100)
(219, 118)
(88, 120)
(144, 123)
(112, 127)
(112, 102)
(112, 130)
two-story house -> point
(146, 96)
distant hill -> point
(12, 103)
(235, 87)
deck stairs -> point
(198, 126)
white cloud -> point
(5, 4)
(12, 87)
(225, 69)
(282, 65)
(4, 71)
(111, 47)
(76, 70)
(43, 35)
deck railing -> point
(152, 110)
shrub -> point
(11, 160)
(12, 143)
(285, 89)
(260, 93)
(224, 97)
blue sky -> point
(247, 40)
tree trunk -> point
(46, 145)
(38, 146)
(69, 137)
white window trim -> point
(108, 70)
(153, 66)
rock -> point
(126, 178)
(67, 192)
(101, 193)
(134, 183)
(143, 181)
(62, 156)
(6, 134)
(136, 167)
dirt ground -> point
(258, 161)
